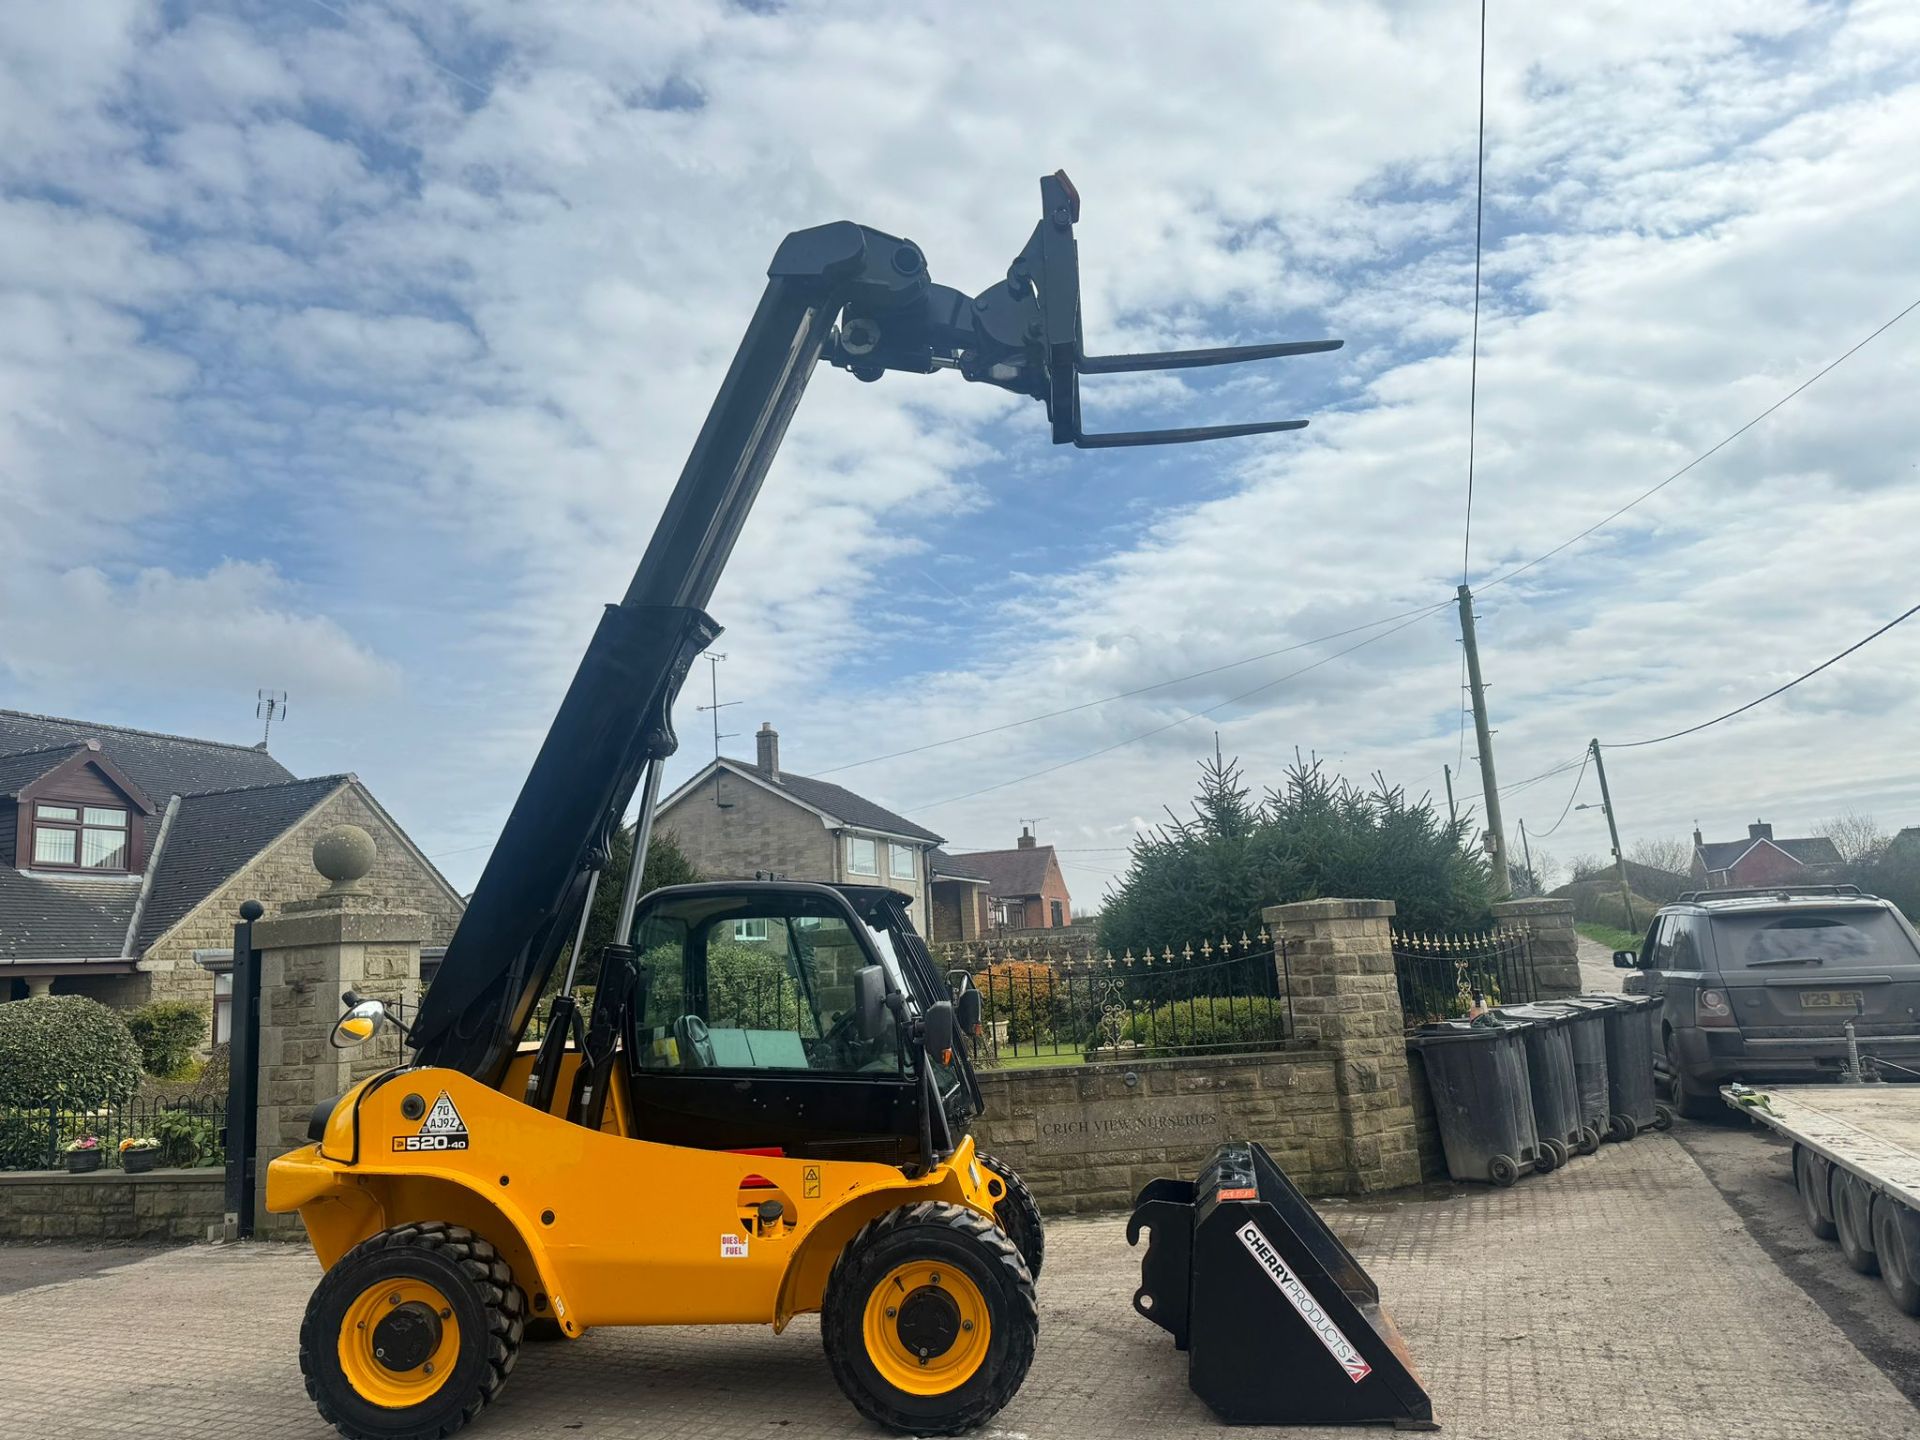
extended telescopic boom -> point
(863, 302)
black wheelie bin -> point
(1630, 1046)
(1550, 1077)
(1587, 1034)
(1477, 1075)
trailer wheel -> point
(929, 1319)
(1589, 1140)
(1896, 1243)
(1811, 1179)
(1852, 1215)
(1019, 1215)
(411, 1333)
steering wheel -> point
(696, 1044)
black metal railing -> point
(191, 1133)
(1444, 977)
(1221, 999)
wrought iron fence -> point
(1447, 976)
(1221, 998)
(191, 1132)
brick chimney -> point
(767, 741)
(1026, 837)
(1759, 831)
(1697, 840)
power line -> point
(1567, 809)
(1778, 690)
(1826, 369)
(1128, 694)
(1195, 715)
(1473, 364)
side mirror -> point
(1626, 959)
(870, 1001)
(938, 1030)
(361, 1023)
(967, 1011)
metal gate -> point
(1444, 977)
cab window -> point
(731, 987)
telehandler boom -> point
(766, 1113)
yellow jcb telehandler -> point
(766, 1113)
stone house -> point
(987, 891)
(737, 820)
(1761, 860)
(125, 855)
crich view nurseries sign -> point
(1094, 1125)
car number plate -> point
(1829, 999)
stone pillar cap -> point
(1329, 910)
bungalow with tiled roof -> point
(1761, 860)
(125, 854)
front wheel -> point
(929, 1319)
(411, 1333)
(1018, 1213)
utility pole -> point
(1453, 815)
(1483, 736)
(1613, 829)
(1526, 855)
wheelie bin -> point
(1550, 1078)
(1477, 1074)
(1631, 1104)
(1587, 1033)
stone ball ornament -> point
(344, 854)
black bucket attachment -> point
(1280, 1324)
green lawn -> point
(1035, 1062)
(1611, 938)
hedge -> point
(168, 1033)
(68, 1048)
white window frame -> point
(750, 932)
(854, 842)
(896, 854)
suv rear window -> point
(1857, 936)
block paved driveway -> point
(1620, 1297)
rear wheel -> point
(1589, 1140)
(929, 1319)
(1688, 1098)
(411, 1333)
(1852, 1216)
(1896, 1243)
(1811, 1179)
(1018, 1213)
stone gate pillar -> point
(1345, 997)
(1553, 946)
(310, 952)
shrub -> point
(1204, 1026)
(23, 1140)
(168, 1033)
(1025, 996)
(67, 1048)
(187, 1139)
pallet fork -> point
(1280, 1323)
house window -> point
(222, 1006)
(1059, 916)
(1010, 914)
(79, 837)
(863, 856)
(751, 930)
(900, 862)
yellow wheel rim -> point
(926, 1328)
(399, 1341)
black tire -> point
(1503, 1170)
(977, 1251)
(481, 1299)
(1896, 1244)
(1019, 1215)
(1688, 1098)
(1589, 1140)
(1812, 1180)
(1853, 1222)
(1622, 1128)
(1662, 1116)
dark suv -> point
(1760, 985)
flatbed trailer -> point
(1856, 1166)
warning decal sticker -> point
(443, 1129)
(733, 1247)
(1318, 1321)
(810, 1183)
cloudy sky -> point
(351, 348)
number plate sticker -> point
(1829, 999)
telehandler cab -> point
(766, 1113)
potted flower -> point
(83, 1154)
(139, 1154)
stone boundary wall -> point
(159, 1205)
(1087, 1137)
